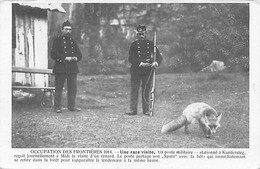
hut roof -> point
(48, 6)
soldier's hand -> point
(154, 64)
(75, 59)
(68, 58)
(145, 64)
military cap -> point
(140, 28)
(67, 23)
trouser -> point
(136, 79)
(71, 87)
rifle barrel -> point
(152, 93)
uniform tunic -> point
(63, 47)
(141, 51)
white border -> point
(253, 153)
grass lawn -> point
(103, 124)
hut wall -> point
(31, 43)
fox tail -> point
(174, 124)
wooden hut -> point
(30, 39)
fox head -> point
(211, 124)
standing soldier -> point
(140, 56)
(65, 52)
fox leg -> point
(187, 128)
(202, 127)
(206, 131)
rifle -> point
(152, 92)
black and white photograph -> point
(130, 85)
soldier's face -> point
(141, 35)
(66, 30)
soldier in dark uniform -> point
(140, 56)
(66, 53)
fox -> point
(207, 116)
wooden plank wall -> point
(41, 47)
(19, 52)
(31, 44)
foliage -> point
(190, 36)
